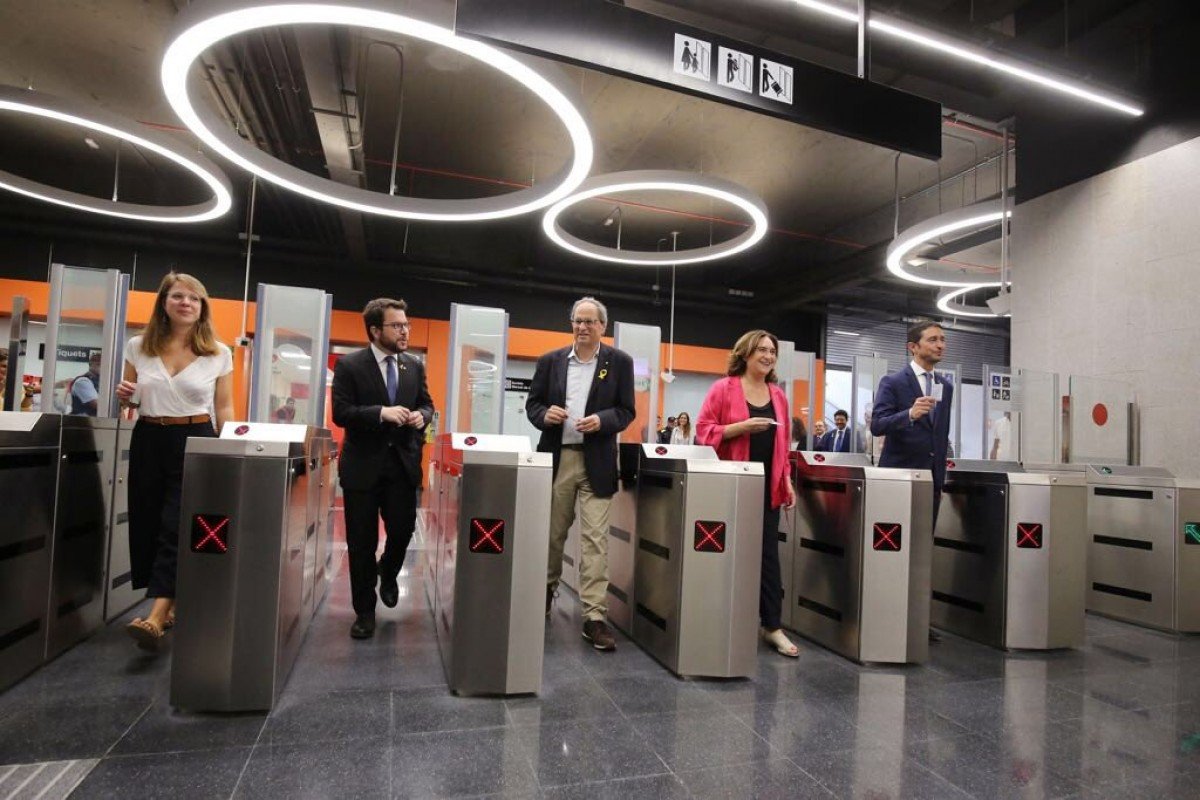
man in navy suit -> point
(581, 399)
(837, 440)
(908, 412)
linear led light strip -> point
(971, 54)
(71, 112)
(205, 23)
(666, 181)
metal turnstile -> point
(119, 594)
(56, 488)
(861, 557)
(493, 539)
(698, 560)
(1009, 559)
(247, 582)
(622, 539)
(1144, 546)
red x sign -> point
(710, 536)
(887, 536)
(487, 535)
(209, 534)
(1029, 534)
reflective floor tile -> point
(164, 729)
(461, 764)
(765, 780)
(197, 774)
(698, 739)
(656, 694)
(337, 716)
(359, 769)
(656, 787)
(798, 727)
(590, 750)
(436, 709)
(563, 699)
(878, 774)
(55, 731)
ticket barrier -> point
(1143, 527)
(248, 583)
(698, 559)
(1009, 559)
(861, 556)
(56, 487)
(491, 532)
(119, 594)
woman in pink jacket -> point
(745, 417)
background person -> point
(682, 432)
(381, 400)
(84, 394)
(745, 418)
(286, 413)
(581, 399)
(837, 439)
(819, 430)
(177, 375)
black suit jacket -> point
(828, 439)
(359, 394)
(610, 398)
(916, 445)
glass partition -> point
(865, 377)
(643, 343)
(1099, 420)
(951, 373)
(84, 335)
(803, 399)
(478, 354)
(291, 355)
(1001, 431)
(12, 387)
(1037, 406)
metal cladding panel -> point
(658, 563)
(1187, 574)
(530, 542)
(1046, 583)
(719, 590)
(634, 44)
(120, 594)
(894, 621)
(622, 544)
(970, 549)
(1131, 552)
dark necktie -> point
(837, 441)
(928, 384)
(391, 379)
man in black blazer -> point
(380, 398)
(581, 400)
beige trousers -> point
(570, 483)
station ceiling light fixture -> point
(934, 273)
(98, 120)
(950, 302)
(665, 181)
(204, 23)
(976, 55)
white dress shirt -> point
(580, 375)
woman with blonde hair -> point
(745, 417)
(682, 432)
(178, 376)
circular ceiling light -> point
(667, 181)
(206, 22)
(91, 118)
(908, 242)
(949, 302)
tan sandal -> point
(782, 644)
(145, 633)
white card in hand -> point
(937, 392)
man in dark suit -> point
(380, 398)
(912, 409)
(837, 440)
(581, 399)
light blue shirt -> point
(580, 375)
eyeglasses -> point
(766, 351)
(587, 323)
(397, 326)
(179, 297)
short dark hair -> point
(840, 413)
(916, 331)
(373, 313)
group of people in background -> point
(178, 376)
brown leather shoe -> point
(599, 634)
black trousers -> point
(155, 485)
(394, 497)
(770, 587)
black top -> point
(762, 444)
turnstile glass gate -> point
(698, 561)
(860, 553)
(490, 528)
(1009, 556)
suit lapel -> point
(560, 377)
(603, 357)
(918, 391)
(374, 375)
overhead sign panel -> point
(624, 41)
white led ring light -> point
(206, 22)
(660, 180)
(908, 242)
(949, 303)
(71, 112)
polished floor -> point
(1118, 719)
